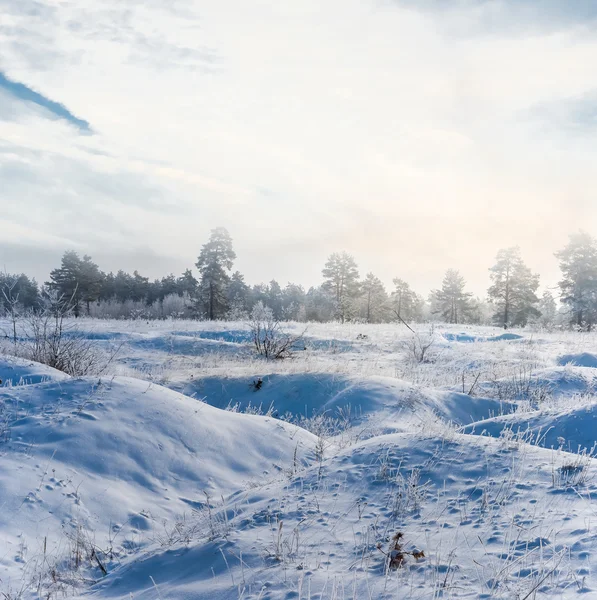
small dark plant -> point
(396, 554)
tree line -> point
(220, 292)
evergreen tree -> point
(320, 305)
(274, 299)
(90, 282)
(578, 263)
(548, 309)
(139, 287)
(214, 263)
(168, 286)
(514, 289)
(187, 284)
(239, 293)
(66, 280)
(20, 290)
(123, 286)
(404, 301)
(293, 302)
(108, 288)
(341, 281)
(76, 281)
(451, 301)
(374, 298)
(259, 293)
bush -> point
(268, 337)
(48, 338)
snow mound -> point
(19, 371)
(453, 499)
(124, 454)
(584, 359)
(554, 382)
(386, 403)
(573, 429)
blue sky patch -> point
(25, 93)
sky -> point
(418, 135)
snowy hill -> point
(467, 504)
(123, 455)
(240, 478)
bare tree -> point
(10, 299)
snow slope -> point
(120, 488)
(124, 454)
(486, 514)
(19, 371)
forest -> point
(220, 292)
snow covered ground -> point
(191, 468)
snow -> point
(18, 371)
(193, 469)
(124, 453)
(584, 359)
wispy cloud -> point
(26, 94)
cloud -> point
(25, 94)
(417, 135)
(512, 17)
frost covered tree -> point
(578, 263)
(451, 301)
(239, 301)
(187, 284)
(548, 309)
(320, 305)
(341, 281)
(404, 301)
(214, 263)
(275, 299)
(18, 289)
(294, 302)
(374, 298)
(513, 289)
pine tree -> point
(22, 289)
(578, 263)
(90, 282)
(514, 289)
(293, 298)
(123, 286)
(320, 305)
(214, 263)
(139, 289)
(548, 309)
(404, 300)
(374, 298)
(451, 301)
(238, 296)
(341, 281)
(274, 299)
(66, 280)
(187, 284)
